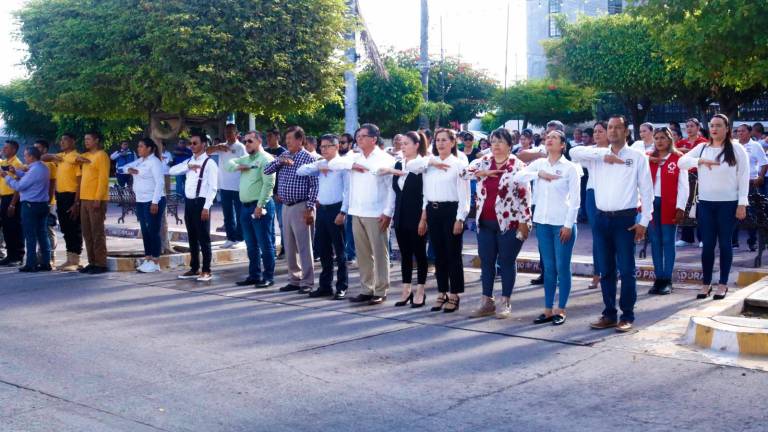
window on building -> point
(614, 7)
(554, 9)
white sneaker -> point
(701, 244)
(152, 267)
(682, 243)
(204, 277)
(228, 244)
(143, 267)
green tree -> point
(720, 45)
(614, 53)
(436, 111)
(539, 101)
(467, 90)
(20, 119)
(390, 103)
(169, 59)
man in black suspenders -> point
(200, 191)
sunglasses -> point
(250, 141)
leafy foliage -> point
(392, 103)
(539, 101)
(130, 58)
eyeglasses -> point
(364, 136)
(342, 142)
(250, 141)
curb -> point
(736, 335)
(582, 266)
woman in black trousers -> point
(411, 237)
(446, 205)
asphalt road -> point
(130, 352)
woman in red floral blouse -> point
(504, 217)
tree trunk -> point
(424, 58)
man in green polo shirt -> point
(258, 213)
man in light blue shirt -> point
(32, 186)
(332, 205)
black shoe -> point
(558, 319)
(290, 287)
(734, 245)
(321, 293)
(415, 305)
(340, 295)
(538, 281)
(752, 247)
(86, 269)
(264, 284)
(665, 289)
(305, 290)
(97, 270)
(541, 319)
(281, 255)
(452, 305)
(376, 300)
(10, 262)
(361, 298)
(700, 296)
(44, 268)
(657, 284)
(406, 301)
(26, 269)
(248, 281)
(720, 296)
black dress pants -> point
(449, 268)
(199, 233)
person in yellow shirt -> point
(9, 215)
(94, 195)
(43, 147)
(68, 173)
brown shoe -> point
(603, 323)
(623, 326)
(487, 308)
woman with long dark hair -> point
(446, 205)
(671, 189)
(504, 215)
(149, 187)
(410, 229)
(723, 190)
(600, 138)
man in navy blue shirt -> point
(122, 157)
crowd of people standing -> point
(339, 205)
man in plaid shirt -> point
(298, 195)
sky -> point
(474, 30)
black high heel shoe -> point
(701, 296)
(441, 300)
(406, 301)
(720, 296)
(418, 305)
(452, 302)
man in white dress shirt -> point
(200, 191)
(622, 174)
(229, 185)
(371, 211)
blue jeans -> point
(493, 246)
(716, 220)
(181, 181)
(662, 237)
(34, 219)
(557, 263)
(260, 241)
(150, 227)
(591, 208)
(349, 246)
(231, 207)
(616, 246)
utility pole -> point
(424, 59)
(506, 53)
(350, 76)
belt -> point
(294, 203)
(327, 206)
(442, 204)
(618, 213)
(250, 203)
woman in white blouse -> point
(557, 200)
(446, 205)
(149, 187)
(600, 137)
(723, 189)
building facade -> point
(541, 24)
